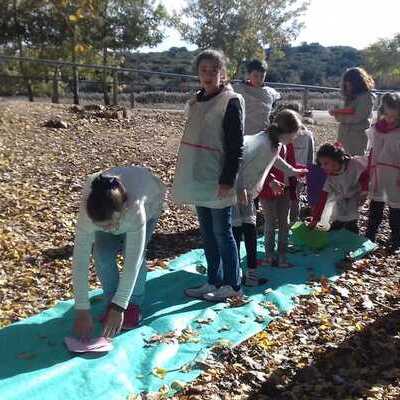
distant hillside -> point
(311, 64)
(175, 60)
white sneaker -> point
(198, 292)
(221, 294)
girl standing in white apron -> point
(206, 170)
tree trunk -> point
(237, 69)
(105, 53)
(26, 79)
(75, 78)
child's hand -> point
(311, 223)
(113, 323)
(277, 187)
(300, 172)
(83, 324)
(224, 191)
(243, 197)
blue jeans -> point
(105, 250)
(219, 246)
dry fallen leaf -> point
(160, 372)
(237, 301)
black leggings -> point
(375, 219)
(250, 240)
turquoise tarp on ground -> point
(36, 365)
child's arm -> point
(311, 150)
(362, 110)
(343, 111)
(319, 209)
(285, 167)
(84, 238)
(80, 266)
(370, 143)
(288, 169)
(291, 158)
(233, 142)
(134, 254)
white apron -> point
(201, 153)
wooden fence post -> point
(75, 84)
(305, 100)
(115, 87)
(132, 99)
(55, 98)
(105, 89)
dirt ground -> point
(41, 174)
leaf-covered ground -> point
(341, 342)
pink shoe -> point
(132, 317)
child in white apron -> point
(384, 166)
(206, 170)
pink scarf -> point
(383, 126)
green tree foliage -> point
(241, 28)
(78, 30)
(126, 25)
(383, 61)
(23, 30)
(313, 64)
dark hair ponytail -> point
(107, 196)
(286, 121)
(333, 151)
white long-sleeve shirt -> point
(258, 158)
(145, 195)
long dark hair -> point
(107, 195)
(360, 82)
(286, 121)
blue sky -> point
(354, 23)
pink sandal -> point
(132, 317)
